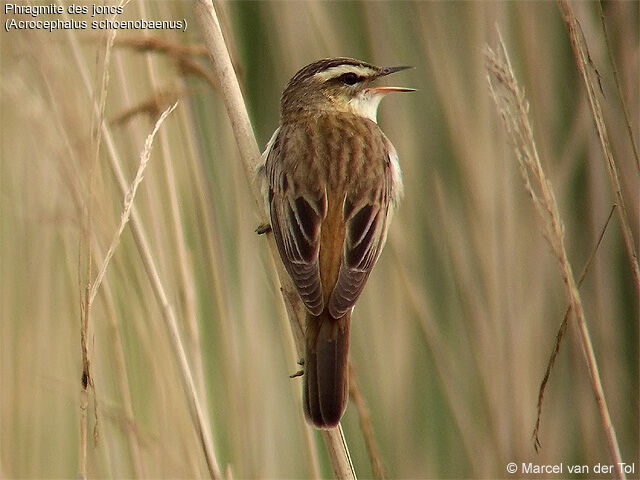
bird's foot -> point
(263, 228)
(300, 372)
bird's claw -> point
(263, 228)
(300, 372)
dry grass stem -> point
(250, 155)
(104, 83)
(87, 381)
(128, 201)
(591, 78)
(87, 385)
(144, 250)
(560, 335)
(514, 111)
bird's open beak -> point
(388, 71)
(385, 90)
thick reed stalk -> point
(250, 156)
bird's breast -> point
(338, 151)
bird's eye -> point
(349, 78)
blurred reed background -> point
(451, 337)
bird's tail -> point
(326, 378)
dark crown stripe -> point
(324, 64)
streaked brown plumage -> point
(331, 183)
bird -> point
(331, 182)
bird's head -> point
(337, 84)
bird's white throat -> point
(366, 103)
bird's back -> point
(349, 160)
